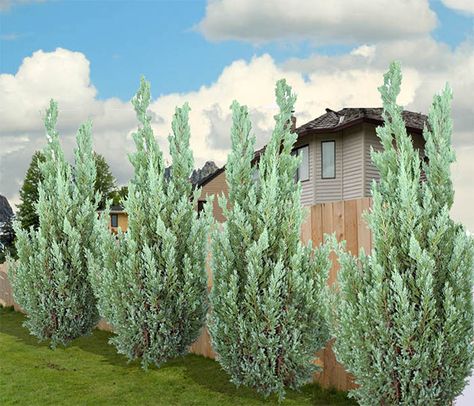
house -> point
(335, 151)
(118, 218)
(336, 164)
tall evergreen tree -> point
(403, 315)
(266, 321)
(105, 182)
(50, 279)
(151, 284)
(29, 195)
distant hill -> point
(5, 209)
(198, 174)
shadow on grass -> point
(11, 323)
(204, 372)
(208, 373)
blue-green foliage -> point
(50, 278)
(403, 318)
(151, 281)
(266, 321)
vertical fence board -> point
(316, 225)
(351, 226)
(306, 227)
(327, 224)
(363, 232)
(338, 229)
(339, 219)
(6, 293)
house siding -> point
(352, 163)
(215, 187)
(122, 222)
(328, 190)
(371, 172)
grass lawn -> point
(90, 372)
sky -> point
(90, 55)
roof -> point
(338, 120)
(117, 209)
(333, 121)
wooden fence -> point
(343, 218)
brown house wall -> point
(122, 222)
(215, 187)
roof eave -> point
(351, 124)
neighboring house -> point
(118, 218)
(336, 164)
(335, 150)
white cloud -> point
(9, 37)
(62, 75)
(65, 76)
(7, 4)
(320, 82)
(466, 6)
(427, 66)
(320, 21)
(367, 51)
(462, 173)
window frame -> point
(112, 216)
(295, 152)
(322, 159)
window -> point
(328, 159)
(114, 220)
(302, 173)
(201, 204)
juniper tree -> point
(151, 282)
(403, 317)
(266, 321)
(50, 279)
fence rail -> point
(343, 218)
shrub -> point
(266, 321)
(151, 281)
(50, 278)
(403, 318)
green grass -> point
(90, 372)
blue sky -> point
(89, 56)
(125, 39)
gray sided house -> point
(335, 151)
(335, 148)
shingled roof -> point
(333, 121)
(338, 120)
